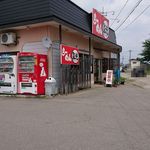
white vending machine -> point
(8, 73)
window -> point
(112, 63)
(134, 62)
(6, 65)
(104, 65)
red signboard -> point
(69, 55)
(100, 25)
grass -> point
(148, 71)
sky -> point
(129, 36)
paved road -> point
(143, 82)
(97, 119)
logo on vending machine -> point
(2, 78)
(43, 73)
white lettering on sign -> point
(105, 29)
(69, 55)
(98, 26)
(43, 73)
(75, 56)
(66, 55)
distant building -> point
(135, 63)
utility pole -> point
(130, 51)
(122, 60)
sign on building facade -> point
(100, 25)
(69, 55)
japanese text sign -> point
(109, 77)
(100, 25)
(69, 55)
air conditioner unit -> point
(8, 38)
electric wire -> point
(137, 17)
(138, 3)
(120, 12)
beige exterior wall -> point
(30, 35)
(35, 34)
(75, 40)
(97, 54)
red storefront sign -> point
(69, 55)
(100, 25)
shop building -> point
(56, 29)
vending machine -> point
(32, 73)
(8, 73)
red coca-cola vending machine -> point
(32, 73)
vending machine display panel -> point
(8, 74)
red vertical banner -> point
(100, 25)
(69, 55)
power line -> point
(137, 17)
(138, 3)
(120, 12)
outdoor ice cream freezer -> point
(32, 73)
(8, 73)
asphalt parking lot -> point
(97, 119)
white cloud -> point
(133, 36)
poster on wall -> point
(100, 25)
(69, 55)
(109, 77)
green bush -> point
(122, 80)
(115, 82)
(148, 71)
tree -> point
(145, 55)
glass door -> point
(97, 71)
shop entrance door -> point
(97, 71)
